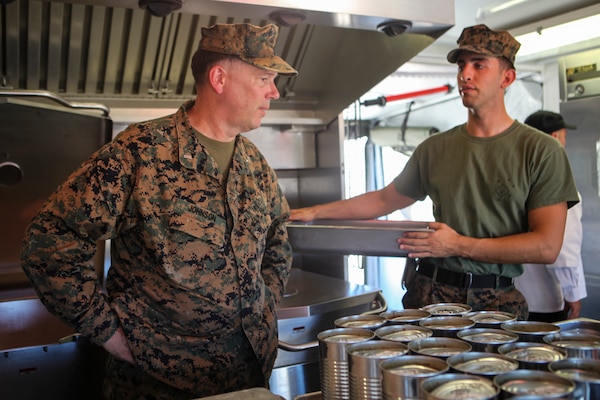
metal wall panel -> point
(583, 148)
(45, 143)
(55, 53)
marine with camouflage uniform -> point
(500, 191)
(196, 218)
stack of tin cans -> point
(447, 351)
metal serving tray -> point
(362, 237)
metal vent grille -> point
(92, 51)
(114, 53)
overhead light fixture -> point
(160, 8)
(287, 17)
(510, 14)
(547, 38)
(485, 12)
(394, 27)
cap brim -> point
(274, 63)
(453, 54)
(569, 126)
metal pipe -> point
(383, 100)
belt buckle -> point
(468, 280)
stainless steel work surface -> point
(27, 323)
(308, 294)
(364, 237)
(249, 394)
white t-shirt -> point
(546, 287)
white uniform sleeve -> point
(568, 267)
(571, 281)
(570, 253)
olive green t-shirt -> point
(222, 152)
(484, 187)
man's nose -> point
(274, 95)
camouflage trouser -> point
(424, 291)
(125, 381)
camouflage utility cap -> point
(482, 40)
(253, 44)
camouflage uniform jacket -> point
(182, 272)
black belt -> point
(461, 279)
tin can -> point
(592, 326)
(333, 360)
(534, 385)
(530, 331)
(447, 326)
(365, 374)
(365, 321)
(577, 343)
(402, 376)
(490, 319)
(403, 333)
(447, 309)
(584, 372)
(408, 316)
(487, 339)
(532, 355)
(456, 386)
(441, 347)
(483, 364)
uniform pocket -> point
(190, 222)
(255, 223)
(195, 247)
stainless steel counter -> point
(248, 394)
(311, 305)
(309, 294)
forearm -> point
(369, 205)
(540, 245)
(277, 261)
(361, 207)
(60, 266)
(521, 248)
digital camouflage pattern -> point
(194, 265)
(423, 291)
(253, 44)
(482, 40)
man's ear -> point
(510, 75)
(217, 76)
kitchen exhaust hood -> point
(115, 52)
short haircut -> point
(505, 63)
(203, 60)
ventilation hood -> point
(115, 53)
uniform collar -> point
(189, 148)
(190, 154)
